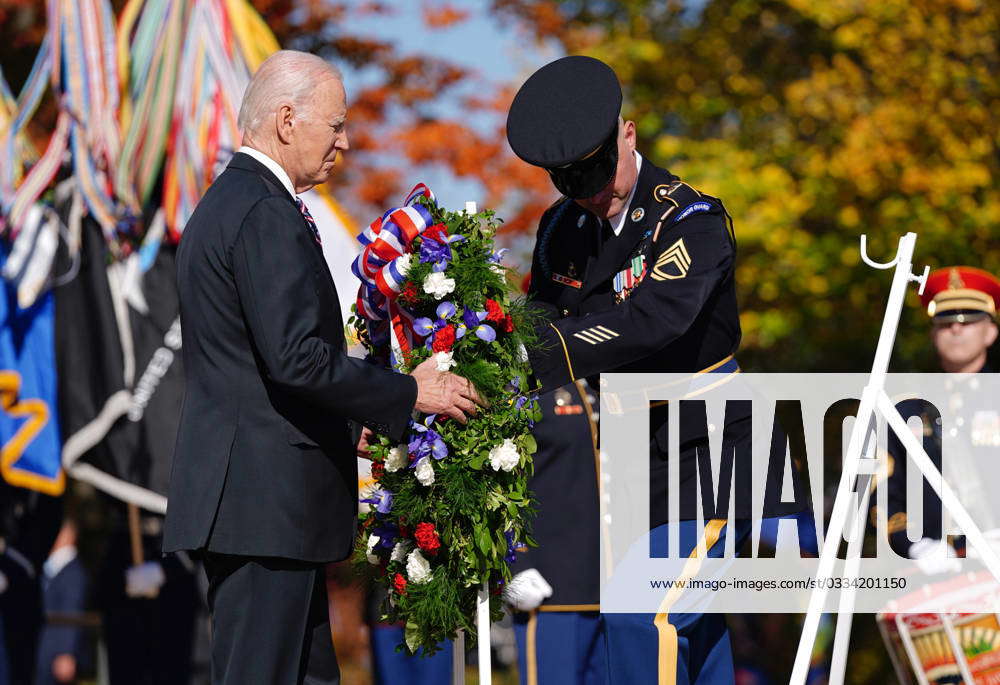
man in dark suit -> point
(264, 482)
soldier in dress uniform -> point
(148, 610)
(556, 587)
(962, 302)
(635, 270)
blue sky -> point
(494, 50)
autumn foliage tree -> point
(815, 122)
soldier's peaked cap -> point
(961, 293)
(564, 112)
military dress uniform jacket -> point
(970, 407)
(658, 297)
(264, 463)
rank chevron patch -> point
(673, 263)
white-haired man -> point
(264, 482)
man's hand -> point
(442, 392)
(362, 448)
(527, 590)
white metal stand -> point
(458, 659)
(874, 399)
(483, 631)
(482, 616)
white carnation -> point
(400, 551)
(438, 285)
(418, 569)
(424, 471)
(498, 269)
(372, 557)
(403, 263)
(444, 361)
(504, 457)
(396, 459)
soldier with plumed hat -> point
(634, 270)
(962, 303)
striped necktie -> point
(310, 222)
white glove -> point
(144, 580)
(527, 590)
(934, 557)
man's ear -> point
(991, 334)
(284, 121)
(629, 130)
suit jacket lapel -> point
(617, 249)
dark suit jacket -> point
(264, 464)
(63, 593)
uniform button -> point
(607, 519)
(711, 428)
(565, 312)
(959, 422)
(953, 432)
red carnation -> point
(493, 311)
(438, 232)
(378, 470)
(399, 582)
(508, 324)
(427, 538)
(444, 339)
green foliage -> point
(816, 122)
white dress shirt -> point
(618, 220)
(273, 167)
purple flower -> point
(438, 253)
(512, 547)
(497, 256)
(433, 252)
(382, 499)
(387, 533)
(473, 321)
(424, 327)
(426, 442)
(445, 310)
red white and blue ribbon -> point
(382, 265)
